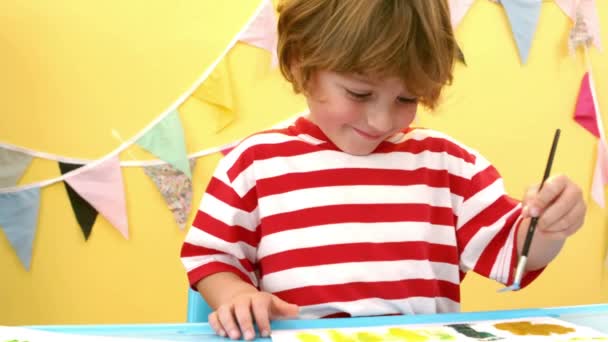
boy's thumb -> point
(284, 309)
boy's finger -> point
(261, 313)
(568, 222)
(561, 214)
(215, 324)
(530, 193)
(281, 308)
(226, 319)
(551, 190)
(242, 311)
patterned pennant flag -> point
(102, 186)
(12, 166)
(175, 187)
(579, 35)
(600, 174)
(213, 99)
(458, 8)
(523, 17)
(588, 11)
(166, 141)
(84, 212)
(584, 112)
(19, 219)
(262, 32)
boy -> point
(349, 212)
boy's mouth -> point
(368, 135)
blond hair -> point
(408, 39)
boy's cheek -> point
(346, 111)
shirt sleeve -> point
(224, 234)
(487, 225)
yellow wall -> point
(72, 72)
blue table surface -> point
(594, 316)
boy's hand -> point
(559, 206)
(236, 318)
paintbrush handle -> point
(534, 220)
(529, 236)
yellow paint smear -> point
(528, 328)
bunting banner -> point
(213, 97)
(600, 174)
(262, 31)
(585, 113)
(19, 218)
(458, 9)
(84, 212)
(176, 189)
(166, 141)
(588, 12)
(579, 35)
(12, 166)
(101, 185)
(523, 17)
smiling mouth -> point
(367, 135)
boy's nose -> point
(380, 121)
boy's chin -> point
(358, 150)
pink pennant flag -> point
(585, 113)
(458, 8)
(262, 31)
(103, 188)
(588, 11)
(600, 175)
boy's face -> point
(357, 112)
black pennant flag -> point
(85, 213)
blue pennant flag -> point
(19, 219)
(523, 17)
(12, 166)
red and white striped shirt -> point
(392, 232)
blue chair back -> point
(198, 310)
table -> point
(594, 316)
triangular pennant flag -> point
(166, 141)
(458, 8)
(176, 189)
(19, 219)
(523, 17)
(12, 166)
(589, 14)
(460, 55)
(214, 97)
(579, 34)
(262, 31)
(584, 113)
(600, 174)
(102, 186)
(84, 212)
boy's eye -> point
(407, 99)
(358, 95)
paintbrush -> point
(521, 264)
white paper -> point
(436, 332)
(9, 334)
